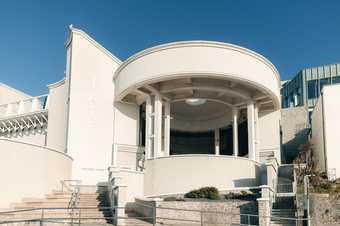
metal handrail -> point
(43, 217)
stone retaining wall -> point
(192, 212)
(324, 209)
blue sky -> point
(292, 34)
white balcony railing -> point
(24, 106)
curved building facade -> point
(169, 119)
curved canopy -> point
(218, 72)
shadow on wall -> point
(291, 148)
(245, 182)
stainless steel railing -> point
(195, 217)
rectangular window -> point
(323, 82)
(312, 89)
(336, 80)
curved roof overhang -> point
(216, 71)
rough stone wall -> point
(210, 212)
(294, 126)
(324, 209)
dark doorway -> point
(192, 142)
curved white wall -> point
(57, 115)
(182, 173)
(28, 170)
(198, 58)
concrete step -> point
(67, 196)
(19, 206)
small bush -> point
(204, 193)
(242, 195)
(172, 199)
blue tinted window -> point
(312, 89)
(336, 79)
(323, 82)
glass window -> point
(336, 80)
(142, 125)
(312, 89)
(323, 82)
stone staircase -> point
(284, 205)
(90, 208)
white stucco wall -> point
(9, 94)
(199, 58)
(90, 130)
(326, 115)
(269, 133)
(35, 136)
(126, 123)
(57, 115)
(318, 135)
(29, 170)
(135, 183)
(180, 174)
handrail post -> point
(79, 215)
(154, 216)
(201, 213)
(42, 217)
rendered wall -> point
(269, 134)
(318, 135)
(29, 170)
(9, 94)
(90, 130)
(180, 174)
(57, 115)
(35, 136)
(294, 125)
(331, 105)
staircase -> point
(283, 208)
(91, 208)
(284, 205)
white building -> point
(168, 119)
(325, 131)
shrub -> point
(172, 198)
(203, 193)
(243, 195)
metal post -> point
(42, 217)
(248, 219)
(79, 216)
(201, 218)
(154, 214)
(306, 194)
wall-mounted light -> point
(195, 101)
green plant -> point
(203, 193)
(172, 198)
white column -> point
(256, 116)
(251, 130)
(36, 106)
(217, 141)
(21, 108)
(9, 109)
(157, 142)
(148, 129)
(166, 129)
(235, 132)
